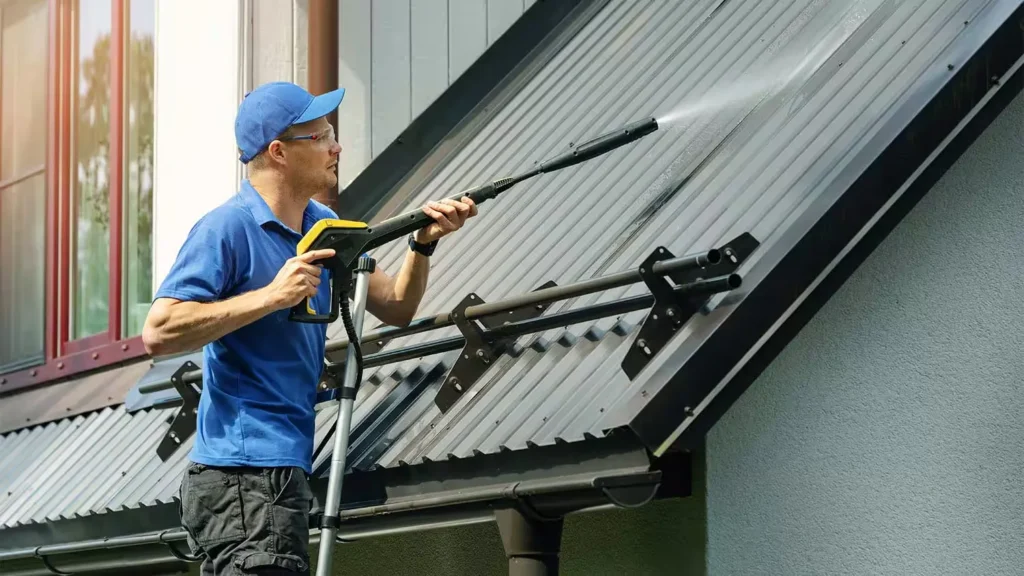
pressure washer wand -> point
(403, 224)
(350, 240)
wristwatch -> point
(425, 249)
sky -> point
(94, 20)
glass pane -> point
(138, 204)
(91, 178)
(22, 287)
(23, 87)
(23, 56)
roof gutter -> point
(550, 498)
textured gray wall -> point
(888, 437)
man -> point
(245, 496)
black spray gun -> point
(350, 240)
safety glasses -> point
(325, 136)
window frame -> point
(63, 356)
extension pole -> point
(330, 523)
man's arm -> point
(175, 326)
(394, 300)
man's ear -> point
(275, 151)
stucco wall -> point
(888, 437)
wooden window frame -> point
(64, 357)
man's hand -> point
(298, 279)
(449, 215)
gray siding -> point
(397, 56)
(279, 40)
(886, 438)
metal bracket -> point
(670, 311)
(479, 352)
(332, 376)
(184, 423)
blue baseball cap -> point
(266, 112)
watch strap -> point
(425, 249)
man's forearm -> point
(184, 326)
(401, 297)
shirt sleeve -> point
(207, 266)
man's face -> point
(312, 163)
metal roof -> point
(757, 165)
(101, 462)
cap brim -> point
(322, 105)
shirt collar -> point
(264, 215)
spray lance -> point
(350, 241)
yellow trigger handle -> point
(304, 311)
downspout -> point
(322, 39)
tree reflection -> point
(93, 153)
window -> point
(76, 184)
(23, 139)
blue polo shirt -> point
(259, 382)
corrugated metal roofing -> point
(754, 166)
(101, 462)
